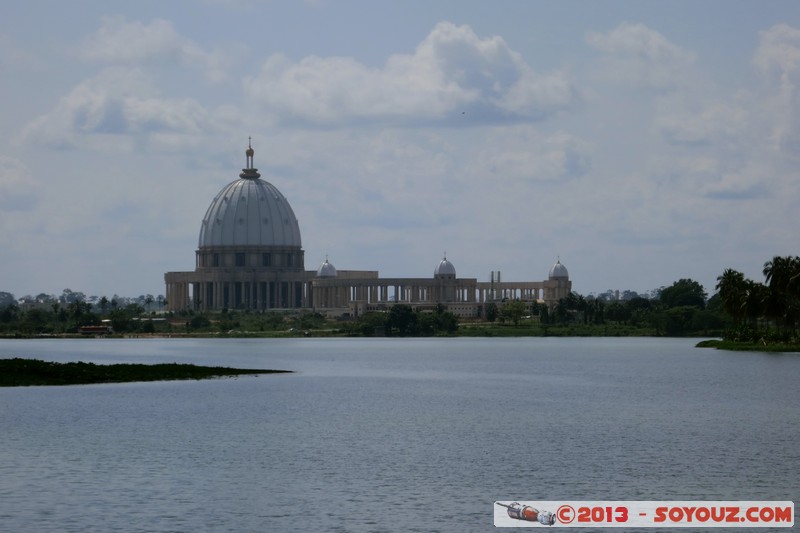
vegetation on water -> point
(19, 372)
(742, 311)
(765, 315)
(748, 346)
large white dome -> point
(249, 212)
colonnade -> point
(526, 291)
(185, 291)
(258, 295)
(289, 290)
(331, 293)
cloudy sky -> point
(640, 142)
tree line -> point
(741, 310)
(680, 309)
(68, 312)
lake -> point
(391, 434)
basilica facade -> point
(250, 256)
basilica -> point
(249, 256)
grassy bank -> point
(749, 346)
(534, 329)
(19, 372)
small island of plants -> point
(20, 372)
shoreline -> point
(487, 333)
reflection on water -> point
(391, 434)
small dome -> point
(326, 270)
(559, 271)
(444, 269)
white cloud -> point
(19, 191)
(632, 187)
(123, 42)
(714, 123)
(778, 58)
(744, 145)
(637, 54)
(108, 108)
(452, 76)
(12, 55)
(521, 154)
(779, 50)
(712, 148)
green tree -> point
(783, 278)
(426, 324)
(732, 289)
(561, 312)
(310, 320)
(618, 312)
(36, 321)
(370, 323)
(513, 311)
(443, 321)
(639, 309)
(122, 318)
(684, 292)
(708, 322)
(199, 322)
(491, 312)
(9, 314)
(678, 320)
(6, 299)
(544, 314)
(402, 320)
(754, 301)
(598, 311)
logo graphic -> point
(670, 514)
(529, 514)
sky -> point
(638, 142)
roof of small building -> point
(558, 271)
(326, 270)
(445, 268)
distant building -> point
(250, 256)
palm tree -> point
(778, 271)
(783, 277)
(731, 287)
(754, 301)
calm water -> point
(391, 434)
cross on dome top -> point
(249, 172)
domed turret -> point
(249, 212)
(445, 269)
(326, 270)
(558, 271)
